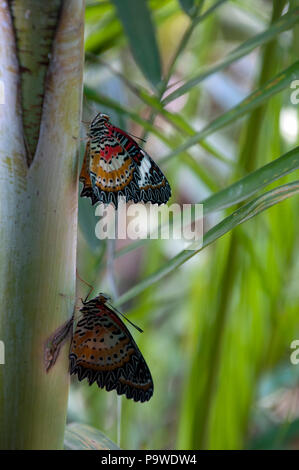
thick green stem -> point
(38, 231)
(35, 24)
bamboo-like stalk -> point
(35, 24)
(38, 231)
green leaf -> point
(170, 142)
(255, 99)
(279, 436)
(136, 19)
(173, 119)
(189, 7)
(241, 215)
(108, 102)
(241, 189)
(82, 437)
(106, 36)
(255, 181)
(284, 23)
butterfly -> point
(115, 166)
(104, 351)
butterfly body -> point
(115, 166)
(104, 351)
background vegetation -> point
(208, 84)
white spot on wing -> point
(144, 170)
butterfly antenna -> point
(89, 285)
(136, 137)
(133, 324)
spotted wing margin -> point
(87, 190)
(146, 182)
(132, 377)
(152, 185)
(122, 173)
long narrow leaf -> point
(284, 23)
(170, 142)
(240, 190)
(255, 99)
(189, 6)
(137, 23)
(82, 437)
(241, 215)
(255, 181)
(108, 102)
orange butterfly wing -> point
(115, 166)
(104, 351)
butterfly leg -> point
(54, 343)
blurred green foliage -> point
(208, 84)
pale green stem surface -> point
(38, 232)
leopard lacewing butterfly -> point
(114, 165)
(104, 351)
